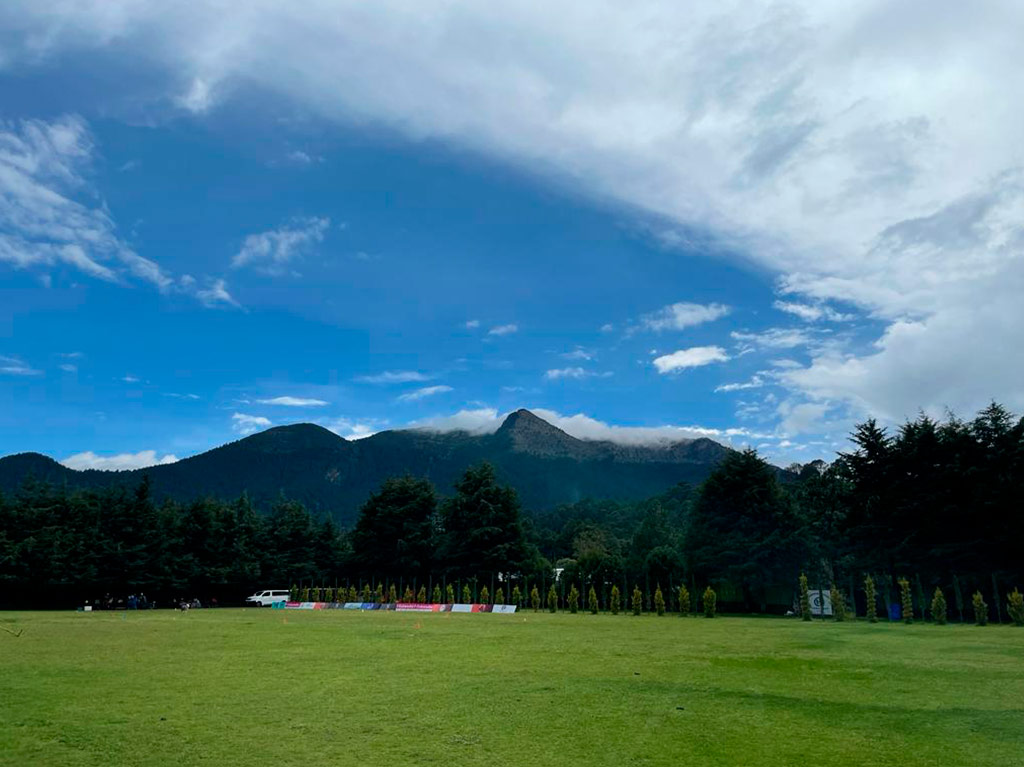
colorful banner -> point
(462, 608)
(503, 609)
(420, 607)
(409, 607)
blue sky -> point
(434, 219)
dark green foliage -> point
(395, 529)
(710, 602)
(659, 601)
(408, 596)
(552, 599)
(449, 594)
(293, 594)
(535, 599)
(435, 596)
(467, 595)
(421, 595)
(393, 594)
(517, 596)
(637, 602)
(574, 599)
(1015, 607)
(871, 599)
(838, 604)
(906, 601)
(684, 601)
(615, 601)
(939, 607)
(805, 598)
(352, 595)
(378, 595)
(592, 601)
(304, 594)
(980, 609)
(485, 596)
(499, 596)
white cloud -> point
(503, 330)
(244, 423)
(426, 391)
(825, 141)
(14, 366)
(352, 429)
(394, 377)
(271, 251)
(756, 382)
(579, 353)
(130, 379)
(175, 395)
(812, 312)
(574, 372)
(772, 338)
(802, 417)
(472, 324)
(683, 315)
(216, 295)
(479, 421)
(119, 462)
(67, 367)
(293, 402)
(693, 357)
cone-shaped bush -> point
(467, 595)
(421, 596)
(592, 601)
(1015, 607)
(304, 594)
(615, 600)
(293, 594)
(517, 596)
(939, 607)
(485, 596)
(710, 602)
(329, 596)
(659, 601)
(552, 599)
(435, 597)
(684, 601)
(870, 599)
(449, 594)
(499, 596)
(352, 595)
(535, 599)
(379, 596)
(574, 600)
(805, 598)
(408, 596)
(980, 609)
(638, 600)
(838, 603)
(367, 593)
(906, 601)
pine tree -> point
(352, 596)
(517, 596)
(552, 599)
(329, 596)
(805, 598)
(592, 601)
(367, 593)
(980, 609)
(1015, 607)
(449, 594)
(379, 594)
(906, 601)
(499, 596)
(467, 595)
(615, 601)
(408, 596)
(435, 596)
(293, 595)
(304, 594)
(659, 601)
(421, 597)
(870, 599)
(574, 599)
(535, 598)
(939, 607)
(838, 604)
(710, 602)
(485, 596)
(684, 601)
(638, 600)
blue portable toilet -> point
(895, 613)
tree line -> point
(936, 504)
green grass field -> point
(253, 687)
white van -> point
(267, 598)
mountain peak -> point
(531, 434)
(293, 437)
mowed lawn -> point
(253, 687)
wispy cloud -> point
(287, 401)
(244, 423)
(812, 312)
(14, 366)
(575, 372)
(579, 353)
(694, 357)
(426, 391)
(472, 324)
(130, 379)
(756, 382)
(119, 462)
(216, 295)
(682, 315)
(503, 330)
(272, 251)
(394, 377)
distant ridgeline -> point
(316, 467)
(932, 513)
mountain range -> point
(311, 464)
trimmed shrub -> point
(1015, 607)
(592, 601)
(467, 595)
(393, 594)
(615, 601)
(870, 597)
(906, 601)
(710, 602)
(535, 598)
(517, 596)
(367, 594)
(574, 599)
(838, 603)
(805, 598)
(638, 600)
(684, 601)
(939, 607)
(485, 596)
(449, 594)
(980, 609)
(379, 594)
(435, 597)
(552, 599)
(293, 593)
(352, 596)
(499, 596)
(659, 601)
(304, 594)
(329, 596)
